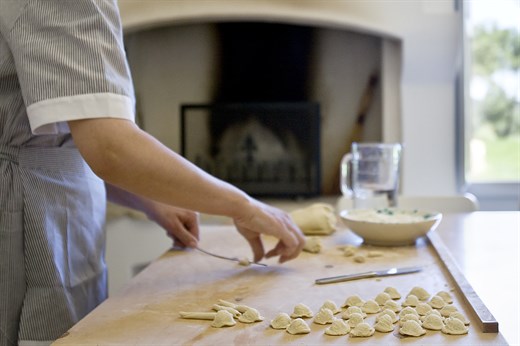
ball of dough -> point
(316, 219)
(313, 245)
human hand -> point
(180, 224)
(264, 219)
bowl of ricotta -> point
(390, 226)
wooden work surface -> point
(146, 312)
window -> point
(492, 102)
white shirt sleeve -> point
(71, 63)
(51, 116)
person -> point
(67, 143)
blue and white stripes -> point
(62, 60)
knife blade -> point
(370, 274)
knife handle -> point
(342, 278)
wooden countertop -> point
(485, 244)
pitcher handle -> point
(346, 175)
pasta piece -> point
(392, 305)
(298, 326)
(410, 317)
(433, 322)
(281, 321)
(371, 307)
(411, 300)
(446, 296)
(198, 315)
(312, 245)
(329, 304)
(363, 329)
(412, 328)
(389, 313)
(432, 312)
(349, 251)
(355, 319)
(423, 308)
(250, 316)
(392, 292)
(459, 316)
(382, 298)
(384, 324)
(244, 262)
(420, 293)
(359, 258)
(233, 311)
(351, 310)
(239, 307)
(454, 326)
(324, 316)
(223, 318)
(448, 310)
(338, 327)
(437, 302)
(301, 311)
(354, 300)
(408, 310)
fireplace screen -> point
(266, 149)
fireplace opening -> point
(266, 149)
(261, 131)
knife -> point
(371, 274)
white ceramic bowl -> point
(390, 226)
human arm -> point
(129, 158)
(180, 224)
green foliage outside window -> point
(494, 147)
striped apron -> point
(52, 269)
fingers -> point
(258, 248)
(288, 251)
(184, 231)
